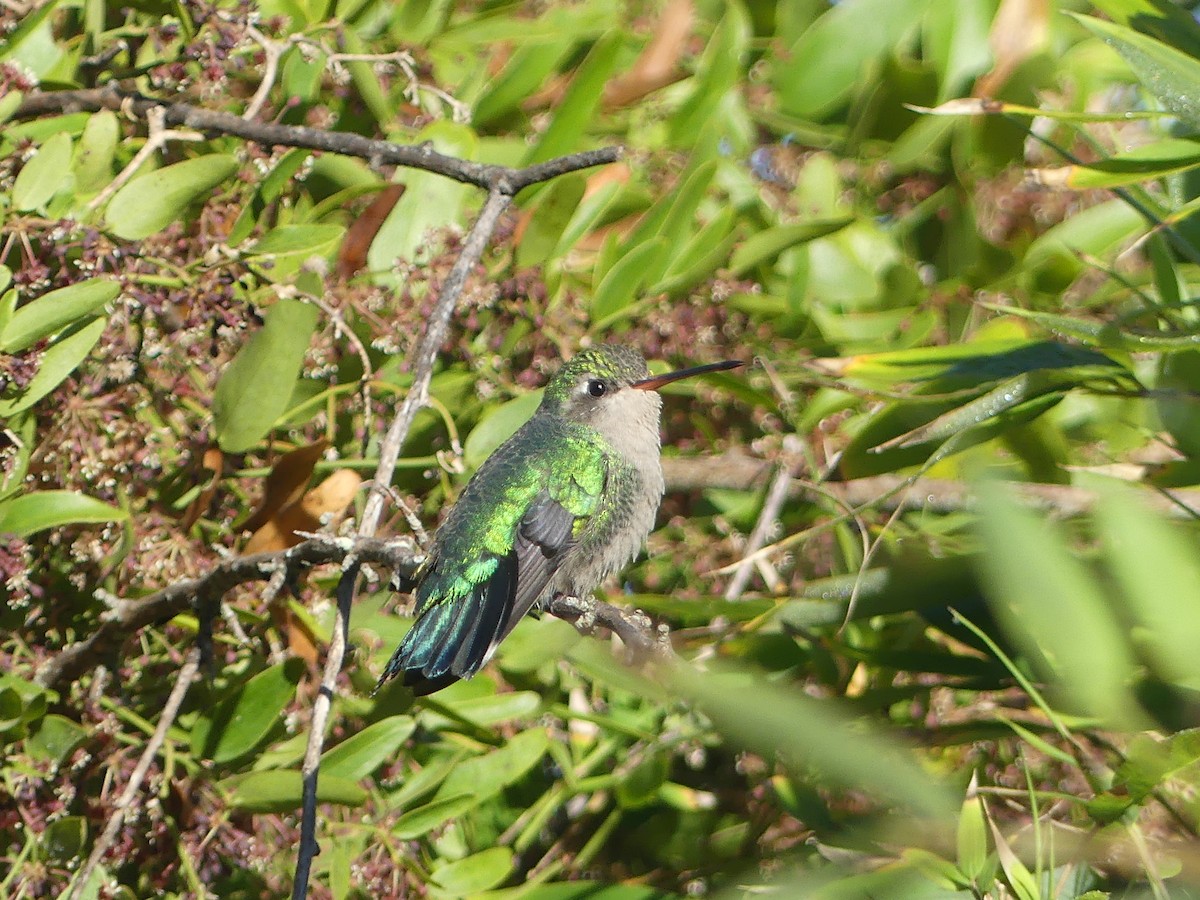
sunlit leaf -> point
(255, 388)
(52, 311)
(40, 510)
(153, 201)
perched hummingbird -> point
(566, 501)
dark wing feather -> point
(544, 536)
(452, 640)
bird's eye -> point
(596, 387)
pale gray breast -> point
(630, 426)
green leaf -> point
(488, 774)
(818, 73)
(423, 819)
(626, 278)
(1027, 562)
(639, 786)
(40, 510)
(53, 311)
(55, 739)
(706, 251)
(1169, 74)
(360, 755)
(1155, 565)
(255, 388)
(430, 203)
(475, 873)
(1155, 160)
(284, 250)
(1053, 260)
(282, 791)
(717, 76)
(491, 708)
(64, 838)
(1150, 761)
(59, 361)
(153, 201)
(1161, 19)
(243, 721)
(525, 72)
(972, 834)
(45, 175)
(498, 425)
(779, 720)
(554, 210)
(764, 246)
(579, 105)
(95, 153)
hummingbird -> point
(565, 502)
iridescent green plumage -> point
(563, 503)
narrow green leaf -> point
(1155, 160)
(626, 278)
(282, 791)
(54, 311)
(770, 718)
(360, 755)
(423, 819)
(430, 204)
(255, 388)
(718, 71)
(48, 172)
(818, 73)
(1171, 75)
(579, 105)
(489, 709)
(241, 722)
(31, 513)
(555, 208)
(486, 775)
(528, 70)
(479, 872)
(764, 246)
(59, 361)
(972, 833)
(95, 153)
(497, 426)
(1155, 564)
(1036, 583)
(152, 202)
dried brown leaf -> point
(286, 483)
(1018, 31)
(353, 253)
(658, 64)
(212, 462)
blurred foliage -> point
(990, 697)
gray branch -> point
(502, 179)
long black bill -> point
(656, 381)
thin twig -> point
(501, 179)
(426, 355)
(183, 681)
(125, 617)
(767, 520)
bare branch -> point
(389, 451)
(124, 617)
(501, 179)
(634, 628)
